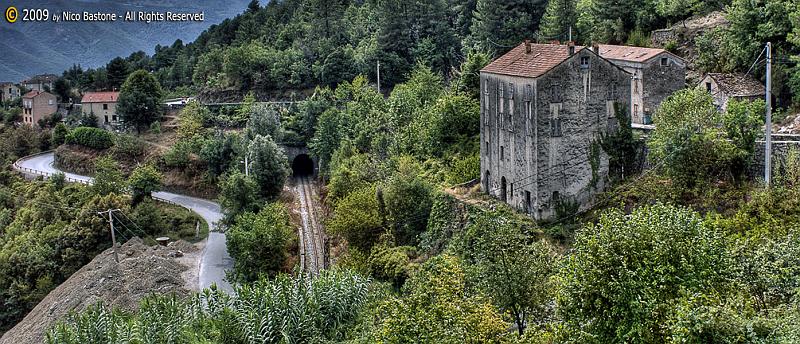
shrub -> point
(91, 137)
(626, 273)
(143, 182)
(128, 147)
(259, 243)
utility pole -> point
(379, 76)
(113, 236)
(246, 166)
(768, 124)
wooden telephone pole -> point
(113, 236)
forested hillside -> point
(691, 250)
(297, 44)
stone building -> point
(101, 105)
(724, 87)
(37, 105)
(9, 91)
(41, 82)
(657, 73)
(543, 108)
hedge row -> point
(91, 137)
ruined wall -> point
(520, 141)
(781, 145)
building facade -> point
(9, 91)
(543, 109)
(656, 74)
(101, 105)
(724, 87)
(42, 82)
(37, 105)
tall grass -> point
(284, 310)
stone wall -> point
(660, 38)
(780, 150)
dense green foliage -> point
(259, 243)
(268, 165)
(90, 137)
(144, 180)
(139, 102)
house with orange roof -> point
(655, 75)
(101, 105)
(37, 105)
(544, 107)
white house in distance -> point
(102, 105)
(724, 87)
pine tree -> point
(498, 26)
(559, 19)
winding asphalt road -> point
(215, 260)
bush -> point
(625, 275)
(60, 133)
(128, 147)
(259, 243)
(464, 170)
(91, 137)
(144, 180)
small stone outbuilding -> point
(724, 87)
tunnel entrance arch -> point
(302, 165)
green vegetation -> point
(140, 100)
(295, 310)
(259, 243)
(90, 137)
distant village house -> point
(656, 74)
(37, 105)
(543, 109)
(724, 87)
(102, 105)
(9, 91)
(42, 82)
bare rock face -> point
(142, 271)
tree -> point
(238, 194)
(219, 152)
(357, 218)
(743, 124)
(117, 71)
(107, 177)
(687, 140)
(140, 100)
(499, 26)
(265, 121)
(408, 202)
(60, 133)
(253, 6)
(559, 18)
(626, 273)
(268, 166)
(62, 89)
(259, 242)
(438, 307)
(144, 180)
(191, 120)
(516, 273)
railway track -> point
(312, 238)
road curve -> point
(215, 260)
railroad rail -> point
(312, 237)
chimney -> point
(527, 46)
(571, 46)
(596, 48)
(555, 42)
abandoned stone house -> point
(725, 87)
(656, 74)
(543, 108)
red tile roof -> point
(100, 97)
(542, 58)
(34, 94)
(626, 53)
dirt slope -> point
(142, 271)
